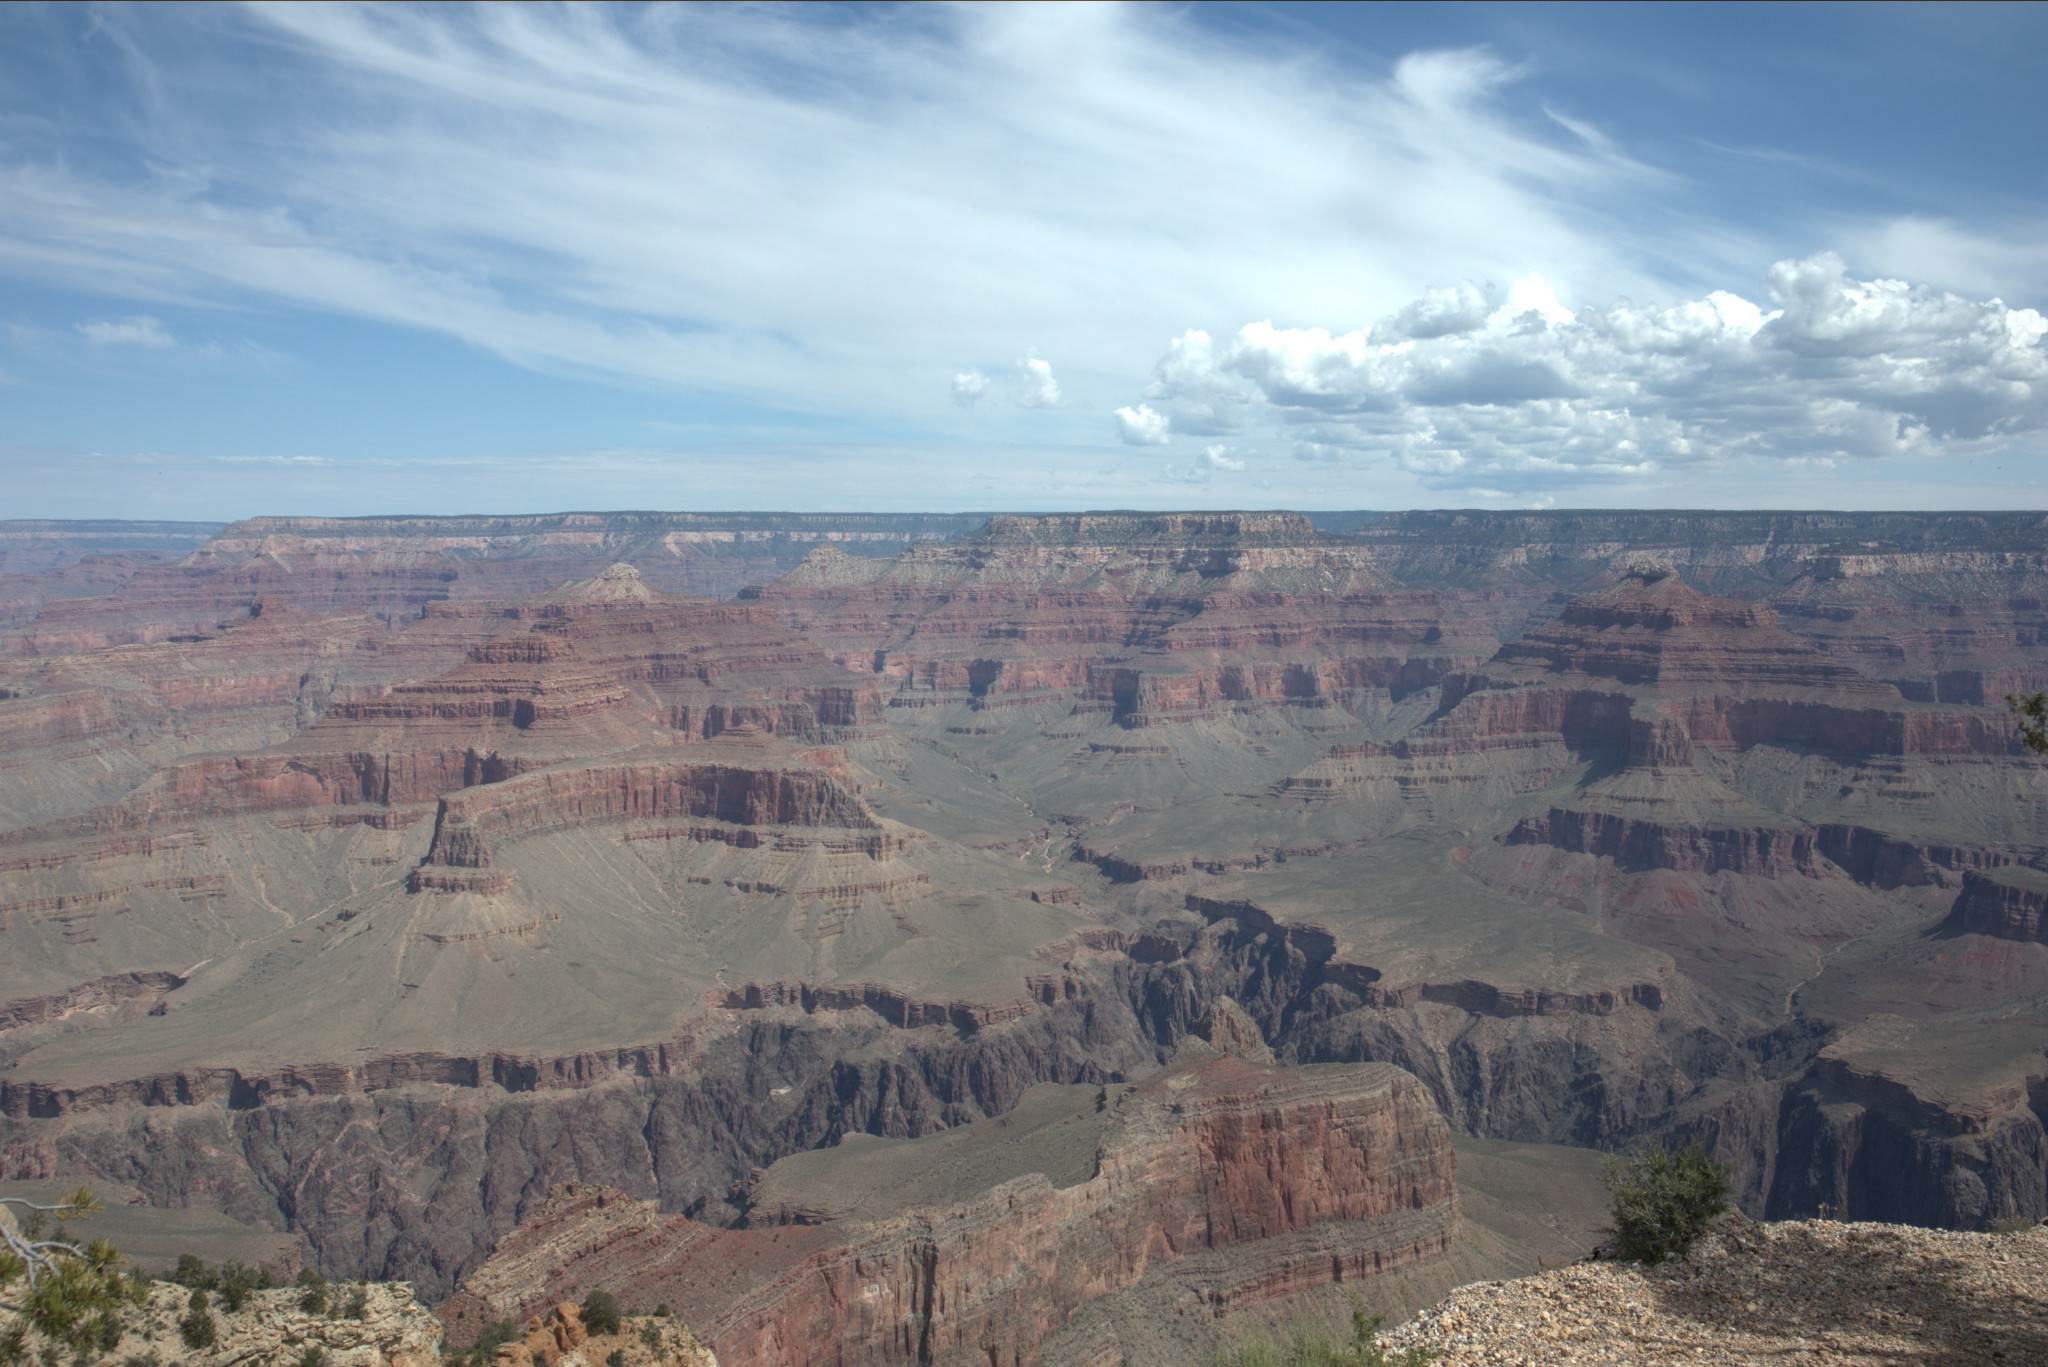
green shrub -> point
(480, 1353)
(357, 1306)
(197, 1328)
(2031, 711)
(58, 1293)
(1663, 1200)
(615, 1358)
(662, 1312)
(503, 1332)
(109, 1332)
(192, 1271)
(236, 1282)
(312, 1292)
(1312, 1345)
(314, 1356)
(601, 1312)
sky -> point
(308, 259)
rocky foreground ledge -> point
(1807, 1292)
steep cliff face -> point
(1765, 852)
(470, 822)
(2010, 903)
(1154, 619)
(1653, 630)
(1213, 1154)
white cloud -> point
(139, 330)
(1036, 387)
(795, 208)
(968, 387)
(1532, 393)
(1219, 458)
(1141, 426)
(1439, 313)
(1031, 385)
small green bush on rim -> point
(1662, 1200)
(197, 1328)
(601, 1312)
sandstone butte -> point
(365, 881)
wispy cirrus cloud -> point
(854, 221)
(139, 330)
(794, 207)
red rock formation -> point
(1766, 852)
(1653, 630)
(241, 1089)
(1892, 861)
(1152, 618)
(391, 567)
(647, 788)
(899, 1008)
(2010, 903)
(1214, 1154)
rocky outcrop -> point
(528, 680)
(2010, 903)
(1153, 618)
(560, 1338)
(1797, 1291)
(1893, 861)
(1215, 1153)
(1226, 1028)
(112, 990)
(1653, 630)
(899, 1008)
(1764, 852)
(469, 823)
(392, 1329)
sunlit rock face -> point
(368, 880)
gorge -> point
(421, 889)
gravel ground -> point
(1803, 1292)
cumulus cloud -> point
(1219, 458)
(139, 330)
(1470, 387)
(968, 387)
(1142, 426)
(1036, 387)
(1030, 384)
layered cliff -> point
(1212, 1154)
(1153, 618)
(394, 566)
(537, 872)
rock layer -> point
(1215, 1153)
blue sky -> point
(341, 260)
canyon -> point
(825, 901)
